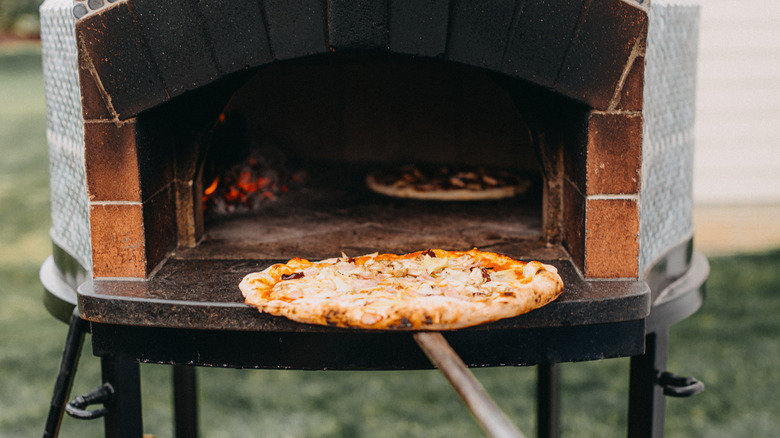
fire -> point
(210, 189)
(248, 185)
(261, 177)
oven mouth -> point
(305, 134)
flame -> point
(210, 189)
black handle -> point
(678, 386)
(100, 395)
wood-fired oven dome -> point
(564, 81)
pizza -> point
(447, 183)
(433, 289)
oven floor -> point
(335, 212)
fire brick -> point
(111, 162)
(118, 247)
(160, 227)
(574, 223)
(612, 238)
(614, 154)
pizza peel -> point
(487, 413)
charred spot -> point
(428, 319)
(429, 253)
(333, 313)
(486, 273)
(508, 294)
(405, 323)
(292, 276)
(332, 317)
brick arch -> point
(137, 54)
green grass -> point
(731, 344)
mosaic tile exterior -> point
(65, 131)
(669, 113)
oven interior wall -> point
(382, 109)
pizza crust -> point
(534, 285)
(442, 195)
(409, 182)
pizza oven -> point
(154, 105)
(344, 87)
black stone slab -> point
(126, 71)
(358, 25)
(418, 27)
(237, 32)
(176, 38)
(478, 32)
(296, 27)
(204, 294)
(600, 50)
(539, 39)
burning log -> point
(249, 185)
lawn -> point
(731, 344)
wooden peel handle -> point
(441, 354)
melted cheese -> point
(389, 279)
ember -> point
(250, 184)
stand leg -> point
(68, 364)
(124, 418)
(185, 401)
(646, 403)
(547, 400)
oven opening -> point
(283, 171)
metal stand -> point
(185, 400)
(123, 418)
(650, 382)
(120, 393)
(646, 401)
(70, 358)
(120, 347)
(547, 406)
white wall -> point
(738, 103)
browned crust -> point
(416, 313)
(446, 195)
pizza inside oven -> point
(447, 183)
